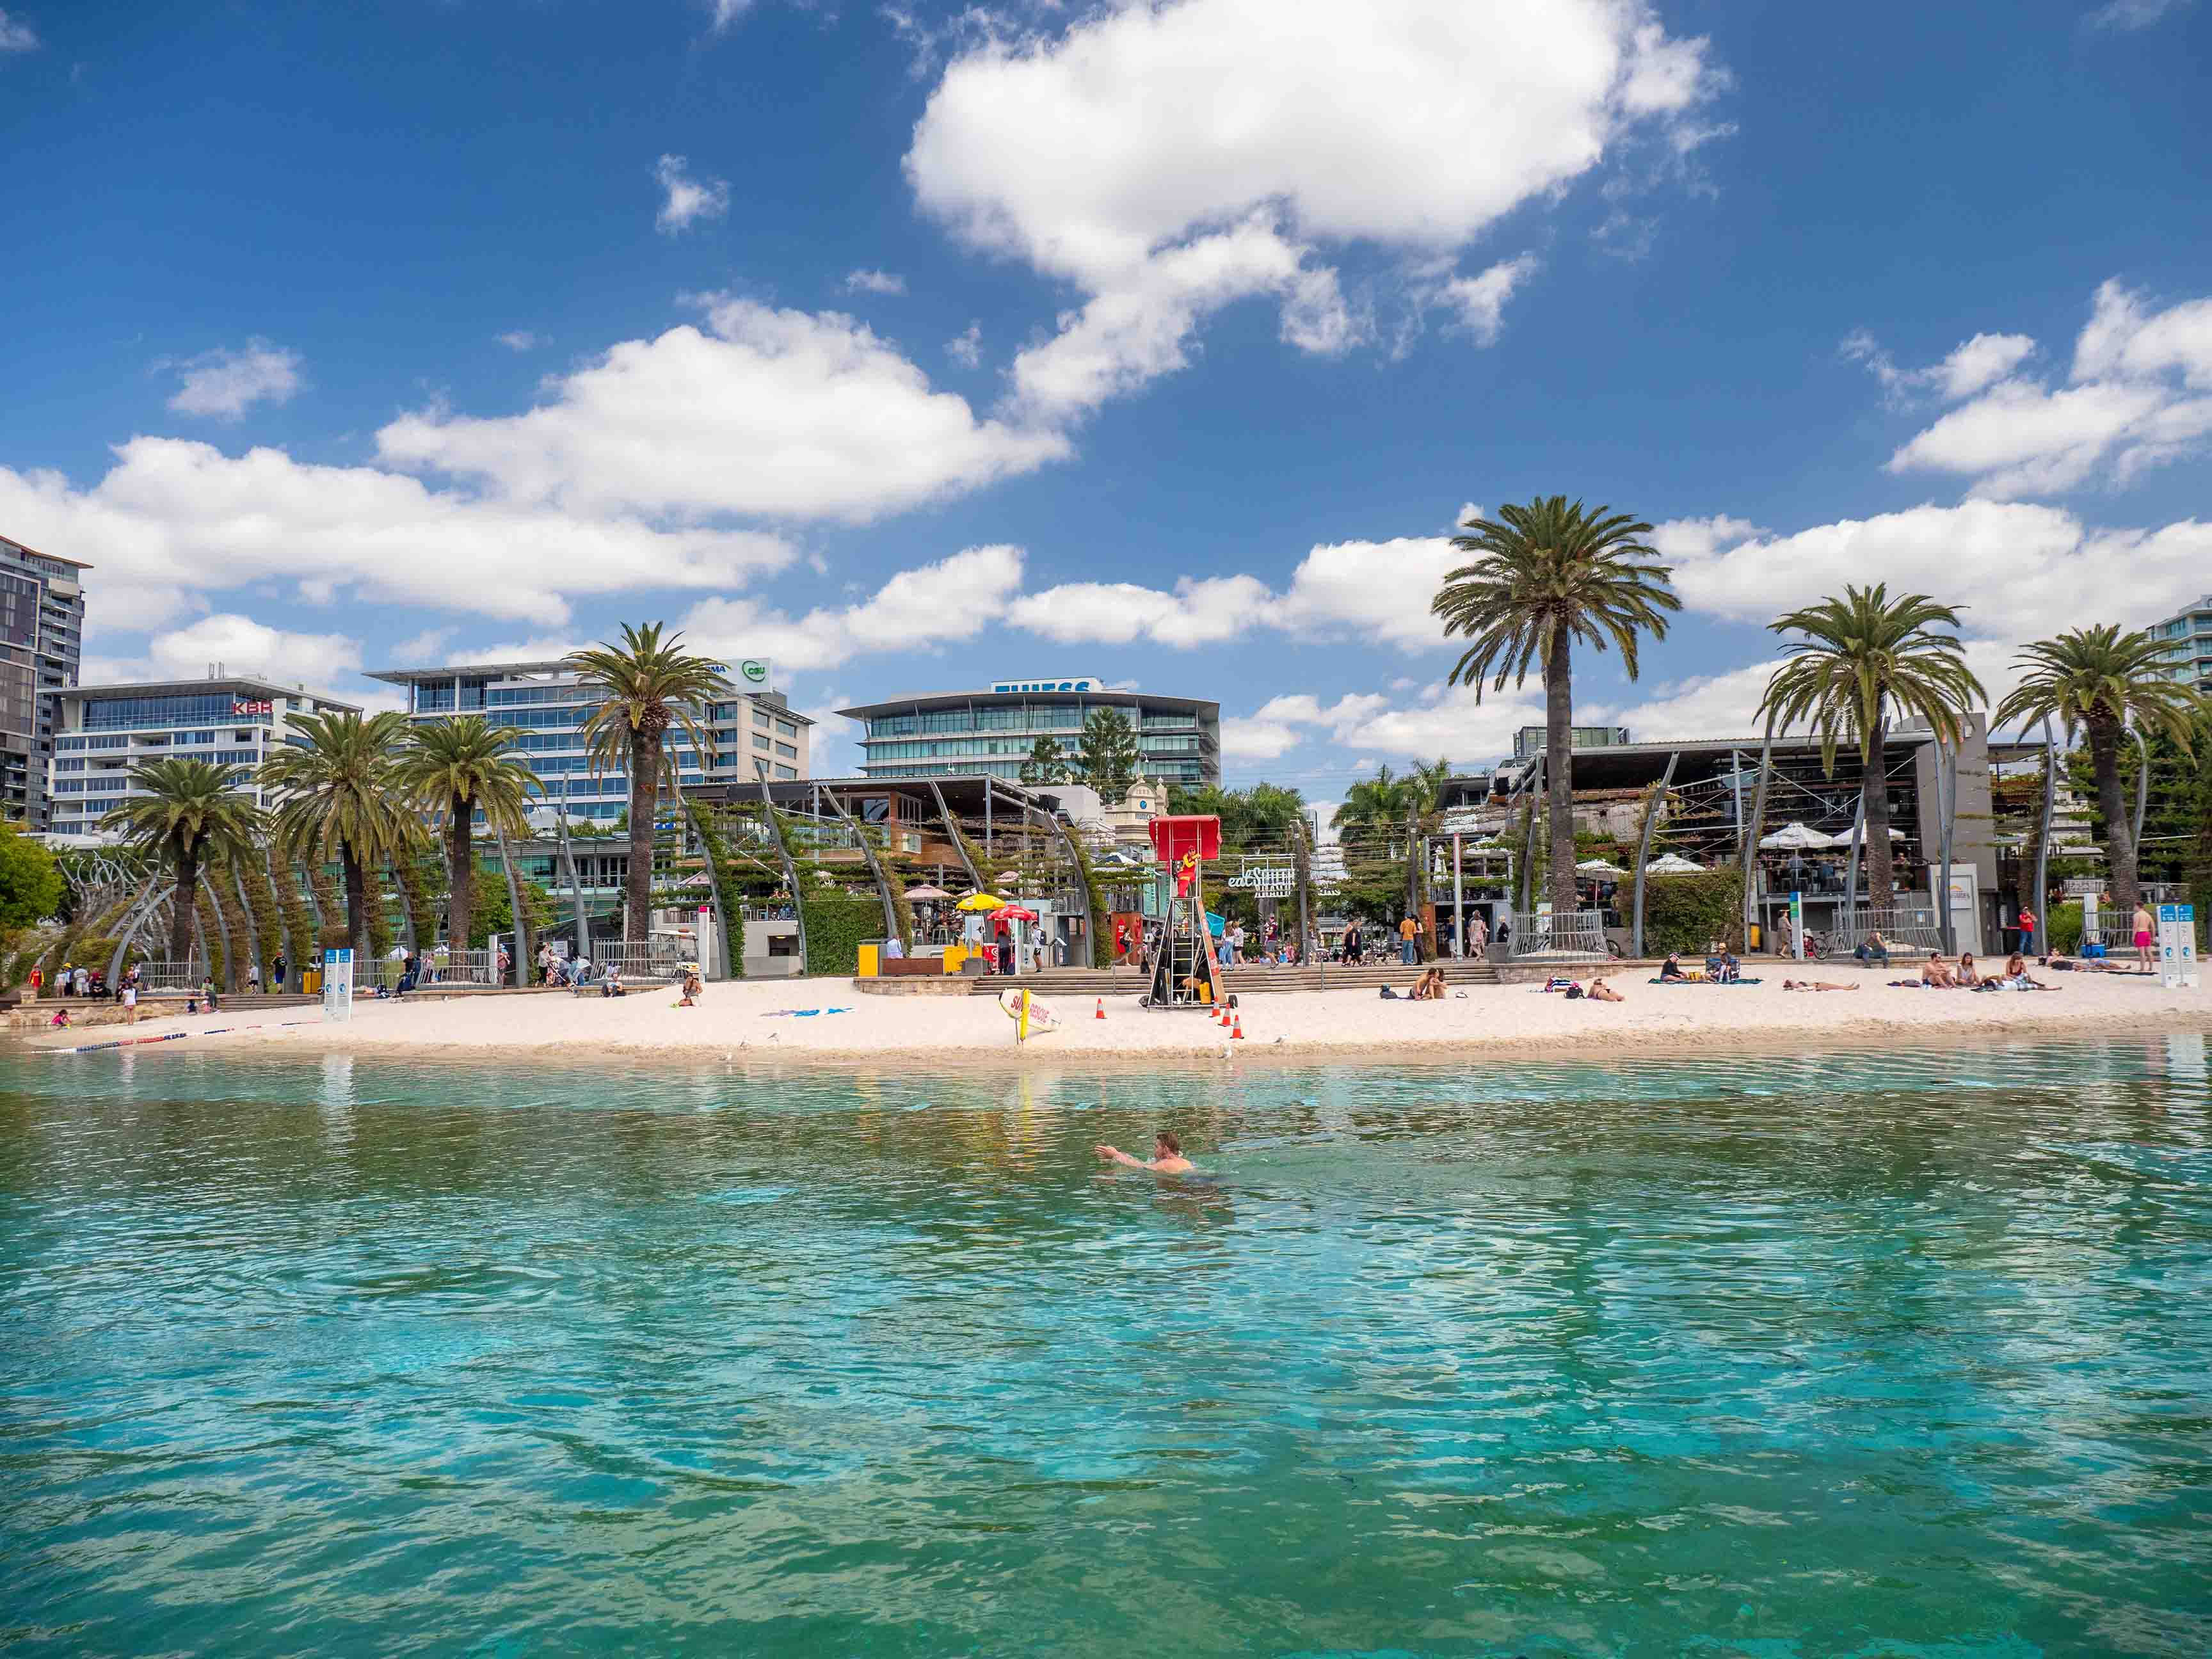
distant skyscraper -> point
(41, 638)
(2189, 644)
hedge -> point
(1686, 912)
(718, 875)
(836, 925)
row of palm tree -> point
(363, 790)
(1548, 575)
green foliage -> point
(1684, 913)
(330, 901)
(705, 818)
(1254, 819)
(31, 885)
(1048, 763)
(1108, 758)
(494, 912)
(2063, 925)
(836, 925)
(418, 880)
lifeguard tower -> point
(1184, 971)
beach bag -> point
(1574, 992)
(1389, 995)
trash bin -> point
(871, 958)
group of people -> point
(1960, 974)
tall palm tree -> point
(189, 813)
(450, 770)
(649, 684)
(1547, 574)
(336, 796)
(1375, 804)
(2095, 680)
(1864, 660)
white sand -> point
(734, 1019)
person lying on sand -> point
(1814, 985)
(1167, 1157)
(1600, 992)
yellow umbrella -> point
(980, 901)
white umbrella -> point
(1673, 864)
(1795, 837)
(1598, 868)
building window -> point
(761, 741)
(786, 772)
(787, 750)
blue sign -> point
(1045, 685)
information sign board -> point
(338, 986)
(2177, 944)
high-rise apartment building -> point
(2189, 644)
(41, 639)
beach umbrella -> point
(926, 891)
(1013, 913)
(980, 901)
(1795, 837)
(1673, 864)
(1598, 868)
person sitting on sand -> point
(60, 1022)
(1967, 979)
(1167, 1157)
(1873, 950)
(611, 986)
(1430, 988)
(1937, 971)
(2016, 976)
(1671, 969)
(1814, 985)
(691, 997)
(1600, 992)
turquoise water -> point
(1902, 1354)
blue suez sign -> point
(1045, 685)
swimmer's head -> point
(1164, 1144)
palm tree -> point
(1547, 575)
(188, 813)
(451, 771)
(649, 684)
(2096, 679)
(335, 796)
(1867, 659)
(1375, 804)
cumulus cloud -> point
(686, 200)
(241, 644)
(1479, 302)
(2134, 401)
(1439, 720)
(2129, 15)
(874, 282)
(966, 348)
(953, 599)
(785, 414)
(225, 384)
(16, 35)
(519, 339)
(1168, 159)
(172, 520)
(1197, 612)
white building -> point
(106, 730)
(548, 702)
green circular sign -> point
(755, 672)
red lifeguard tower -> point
(1185, 974)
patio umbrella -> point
(926, 891)
(1598, 868)
(980, 901)
(1795, 837)
(1673, 864)
(1013, 913)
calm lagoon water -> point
(1875, 1354)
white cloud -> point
(1170, 159)
(519, 339)
(686, 200)
(2128, 15)
(16, 35)
(172, 519)
(1199, 611)
(1479, 301)
(953, 599)
(1255, 740)
(2129, 406)
(225, 384)
(241, 645)
(1441, 719)
(723, 13)
(874, 282)
(966, 348)
(785, 414)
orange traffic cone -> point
(1237, 1029)
(1101, 1014)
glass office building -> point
(548, 702)
(2189, 644)
(942, 734)
(106, 730)
(41, 633)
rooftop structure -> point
(1529, 741)
(549, 701)
(2188, 634)
(991, 730)
(106, 730)
(41, 633)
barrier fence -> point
(1911, 927)
(1542, 934)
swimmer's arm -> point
(1115, 1155)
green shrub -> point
(1686, 912)
(2064, 926)
(836, 925)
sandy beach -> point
(828, 1020)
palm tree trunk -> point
(2112, 800)
(1559, 779)
(460, 876)
(1874, 793)
(182, 908)
(644, 796)
(357, 898)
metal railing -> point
(1906, 927)
(1541, 934)
(158, 976)
(659, 959)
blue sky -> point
(916, 345)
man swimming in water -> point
(1167, 1157)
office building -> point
(549, 701)
(106, 730)
(41, 632)
(2189, 644)
(951, 733)
(1529, 741)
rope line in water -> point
(173, 1036)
